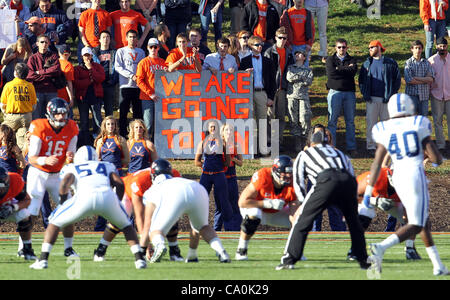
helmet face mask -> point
(282, 170)
(400, 105)
(55, 107)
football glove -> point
(6, 210)
(367, 196)
(382, 203)
(276, 204)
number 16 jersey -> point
(52, 142)
(402, 138)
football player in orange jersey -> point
(135, 186)
(385, 198)
(14, 201)
(269, 199)
(53, 142)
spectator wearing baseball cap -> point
(379, 79)
(89, 76)
(145, 79)
(35, 29)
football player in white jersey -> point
(93, 181)
(407, 138)
(166, 201)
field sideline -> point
(325, 252)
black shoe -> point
(27, 254)
(284, 267)
(412, 254)
(175, 253)
(99, 253)
(350, 255)
(364, 264)
(69, 252)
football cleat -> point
(28, 254)
(241, 254)
(224, 257)
(284, 267)
(69, 252)
(175, 253)
(375, 263)
(377, 251)
(191, 260)
(39, 265)
(140, 264)
(99, 253)
(412, 254)
(441, 272)
(159, 251)
(20, 253)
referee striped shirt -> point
(311, 162)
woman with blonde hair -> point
(142, 150)
(232, 148)
(111, 146)
(20, 51)
(234, 48)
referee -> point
(333, 182)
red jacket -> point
(42, 82)
(84, 78)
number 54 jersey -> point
(402, 138)
(91, 175)
(52, 142)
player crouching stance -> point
(94, 181)
(385, 198)
(14, 201)
(166, 201)
(269, 200)
(407, 138)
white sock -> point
(68, 242)
(216, 245)
(389, 242)
(171, 244)
(192, 253)
(409, 243)
(135, 248)
(434, 257)
(20, 247)
(104, 242)
(243, 244)
(46, 247)
(158, 239)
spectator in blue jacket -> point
(379, 79)
(58, 26)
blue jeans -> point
(345, 101)
(301, 47)
(175, 29)
(421, 106)
(205, 20)
(41, 105)
(438, 29)
(148, 113)
(94, 104)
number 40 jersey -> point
(402, 137)
(91, 175)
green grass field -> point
(325, 252)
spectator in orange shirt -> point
(68, 70)
(183, 57)
(145, 79)
(300, 28)
(92, 22)
(126, 19)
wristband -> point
(41, 160)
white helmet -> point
(400, 105)
(84, 154)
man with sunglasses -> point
(281, 58)
(42, 66)
(341, 69)
(379, 79)
(145, 79)
(263, 79)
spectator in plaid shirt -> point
(418, 76)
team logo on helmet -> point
(57, 106)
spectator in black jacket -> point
(281, 58)
(341, 69)
(162, 33)
(251, 21)
(178, 16)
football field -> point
(325, 253)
